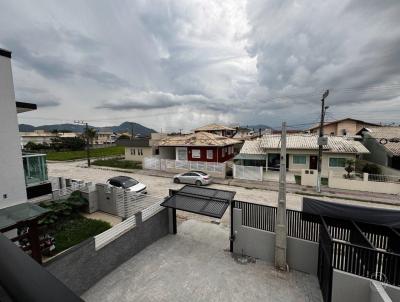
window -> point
(140, 151)
(299, 159)
(337, 162)
(196, 153)
(210, 154)
(181, 154)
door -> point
(313, 162)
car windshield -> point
(129, 183)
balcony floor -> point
(195, 265)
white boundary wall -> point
(365, 185)
(248, 172)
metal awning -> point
(199, 200)
(22, 212)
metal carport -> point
(198, 200)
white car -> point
(127, 183)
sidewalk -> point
(379, 198)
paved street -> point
(159, 186)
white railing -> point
(248, 172)
(115, 232)
(60, 188)
(371, 177)
(154, 163)
(151, 211)
(121, 228)
(384, 178)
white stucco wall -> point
(12, 180)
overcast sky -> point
(181, 64)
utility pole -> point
(320, 138)
(132, 131)
(87, 140)
(280, 224)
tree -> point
(90, 133)
(350, 166)
(371, 169)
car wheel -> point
(176, 180)
(198, 183)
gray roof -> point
(336, 144)
(386, 133)
(137, 142)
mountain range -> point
(137, 129)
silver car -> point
(197, 178)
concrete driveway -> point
(195, 265)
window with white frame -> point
(133, 151)
(140, 151)
(337, 162)
(210, 154)
(196, 153)
(299, 159)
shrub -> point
(61, 209)
(371, 169)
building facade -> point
(199, 146)
(217, 129)
(37, 137)
(12, 179)
(343, 127)
(302, 153)
(136, 149)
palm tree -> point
(90, 134)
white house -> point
(12, 179)
(22, 176)
(302, 152)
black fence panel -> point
(303, 225)
(257, 216)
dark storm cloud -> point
(38, 96)
(347, 47)
(60, 66)
(159, 100)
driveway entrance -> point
(199, 200)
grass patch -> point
(99, 152)
(75, 230)
(297, 179)
(118, 163)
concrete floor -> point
(194, 265)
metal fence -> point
(248, 172)
(384, 178)
(155, 163)
(299, 225)
(363, 249)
